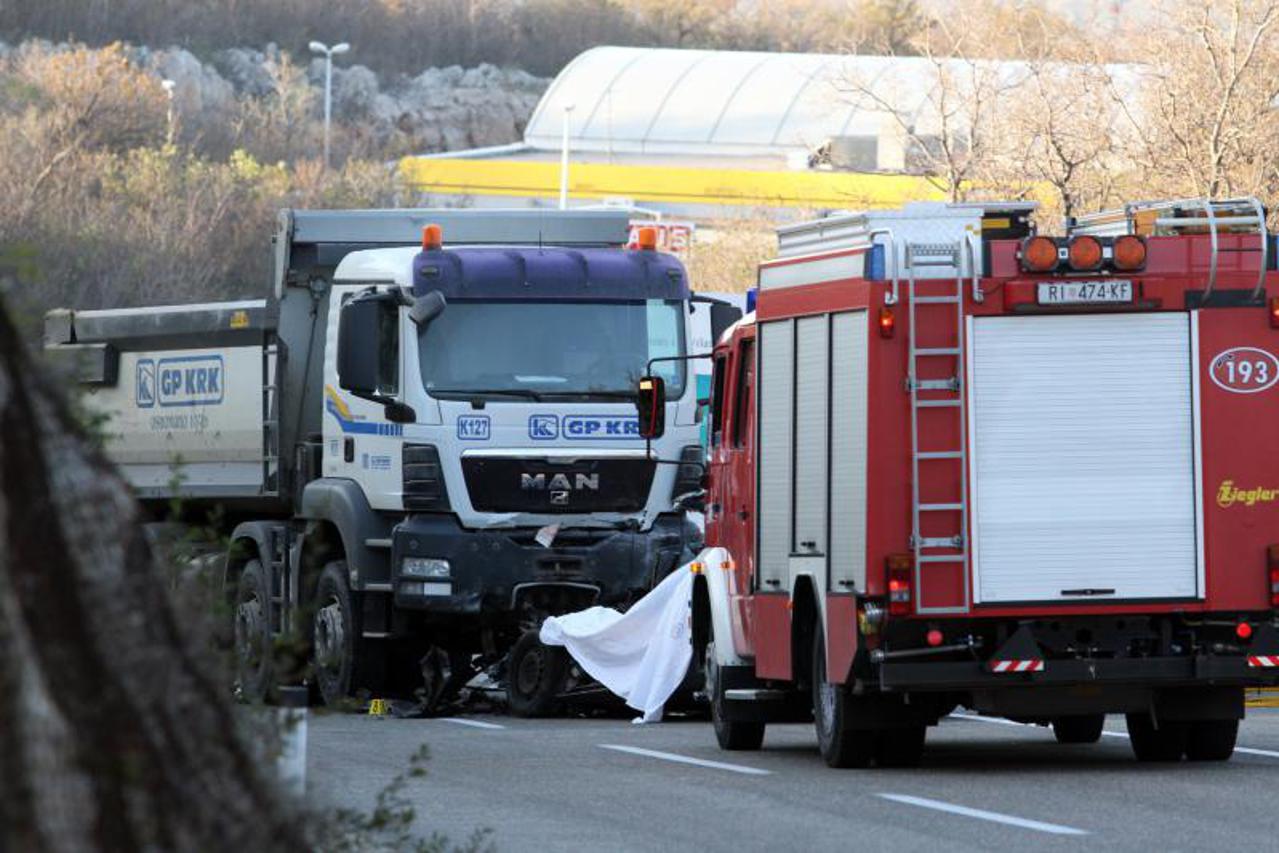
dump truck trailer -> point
(419, 443)
(957, 462)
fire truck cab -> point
(955, 462)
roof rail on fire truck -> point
(1244, 215)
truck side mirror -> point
(723, 315)
(427, 307)
(650, 401)
(359, 327)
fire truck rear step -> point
(753, 694)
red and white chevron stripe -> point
(1263, 660)
(1033, 665)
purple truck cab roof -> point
(550, 273)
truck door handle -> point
(348, 449)
(743, 514)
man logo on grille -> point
(559, 497)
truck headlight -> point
(423, 567)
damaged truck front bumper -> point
(465, 571)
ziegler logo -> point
(1228, 495)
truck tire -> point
(733, 735)
(1083, 728)
(1166, 743)
(254, 664)
(839, 743)
(535, 676)
(338, 649)
(1211, 740)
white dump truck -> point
(421, 442)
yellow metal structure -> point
(726, 187)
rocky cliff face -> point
(440, 109)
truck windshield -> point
(540, 350)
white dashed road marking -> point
(478, 724)
(684, 759)
(981, 814)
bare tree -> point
(1207, 123)
(941, 106)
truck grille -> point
(504, 484)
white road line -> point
(478, 724)
(1247, 750)
(1250, 751)
(981, 814)
(684, 759)
(997, 720)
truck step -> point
(937, 300)
(951, 384)
(940, 542)
(940, 454)
(384, 544)
(939, 507)
(937, 351)
(751, 694)
(943, 558)
(938, 404)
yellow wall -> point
(666, 184)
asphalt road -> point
(592, 784)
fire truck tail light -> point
(1128, 253)
(1272, 563)
(1084, 253)
(899, 591)
(1274, 312)
(1039, 254)
(1243, 630)
(887, 322)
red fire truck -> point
(958, 463)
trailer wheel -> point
(535, 676)
(1166, 743)
(1084, 728)
(253, 648)
(335, 637)
(1211, 740)
(839, 743)
(731, 734)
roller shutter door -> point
(1083, 458)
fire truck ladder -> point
(945, 295)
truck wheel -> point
(335, 637)
(731, 734)
(535, 676)
(839, 743)
(1166, 743)
(1211, 740)
(1084, 728)
(253, 648)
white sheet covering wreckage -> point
(641, 655)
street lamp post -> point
(170, 123)
(568, 110)
(321, 49)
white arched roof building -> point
(666, 101)
(700, 129)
